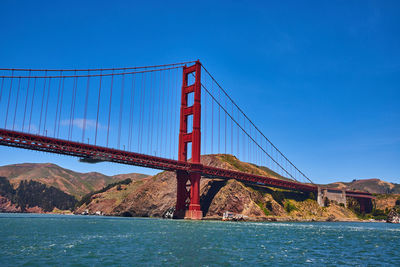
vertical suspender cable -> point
(146, 117)
(70, 113)
(212, 120)
(226, 135)
(73, 108)
(251, 147)
(232, 131)
(142, 112)
(205, 117)
(9, 96)
(41, 107)
(85, 108)
(148, 107)
(16, 103)
(58, 101)
(219, 120)
(255, 149)
(109, 109)
(258, 155)
(98, 108)
(243, 146)
(142, 128)
(131, 111)
(1, 90)
(237, 134)
(61, 107)
(26, 101)
(176, 130)
(33, 97)
(47, 105)
(153, 93)
(165, 113)
(159, 113)
(121, 109)
(170, 83)
(162, 114)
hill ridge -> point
(71, 182)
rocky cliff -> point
(393, 217)
(153, 196)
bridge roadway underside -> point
(98, 153)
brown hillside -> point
(385, 201)
(375, 186)
(152, 196)
(73, 183)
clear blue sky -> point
(321, 79)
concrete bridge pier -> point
(320, 197)
(194, 212)
(188, 196)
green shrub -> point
(311, 196)
(265, 210)
(33, 193)
(289, 207)
(378, 214)
(364, 216)
(88, 197)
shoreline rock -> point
(393, 217)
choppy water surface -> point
(29, 239)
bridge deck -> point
(98, 153)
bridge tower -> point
(188, 183)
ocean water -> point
(57, 240)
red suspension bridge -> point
(163, 117)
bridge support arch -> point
(188, 183)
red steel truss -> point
(86, 151)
